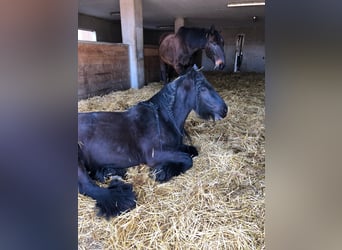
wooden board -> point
(102, 67)
(151, 63)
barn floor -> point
(218, 204)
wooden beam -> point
(132, 34)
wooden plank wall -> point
(102, 67)
(151, 63)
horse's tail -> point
(111, 201)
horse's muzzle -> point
(219, 64)
(224, 111)
(221, 114)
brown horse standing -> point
(177, 49)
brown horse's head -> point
(214, 48)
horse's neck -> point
(180, 115)
(198, 44)
(174, 110)
(181, 110)
(195, 41)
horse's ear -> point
(212, 29)
(196, 68)
(192, 72)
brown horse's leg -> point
(180, 69)
(163, 72)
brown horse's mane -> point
(194, 37)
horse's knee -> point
(165, 170)
(191, 150)
(103, 173)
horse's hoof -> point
(193, 151)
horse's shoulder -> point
(140, 111)
(86, 118)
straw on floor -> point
(218, 204)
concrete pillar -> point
(179, 22)
(132, 34)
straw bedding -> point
(218, 204)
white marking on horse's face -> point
(218, 62)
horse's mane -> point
(193, 36)
(166, 97)
(165, 100)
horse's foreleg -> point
(111, 201)
(191, 150)
(104, 172)
(180, 69)
(169, 73)
(163, 72)
(167, 164)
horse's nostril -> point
(224, 111)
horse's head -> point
(208, 103)
(214, 48)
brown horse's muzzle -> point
(219, 64)
(216, 54)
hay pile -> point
(217, 204)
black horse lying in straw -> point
(150, 132)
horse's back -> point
(101, 125)
(106, 138)
(116, 126)
(175, 52)
(168, 48)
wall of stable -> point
(110, 31)
(106, 30)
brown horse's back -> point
(168, 49)
(173, 51)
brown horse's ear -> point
(212, 29)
